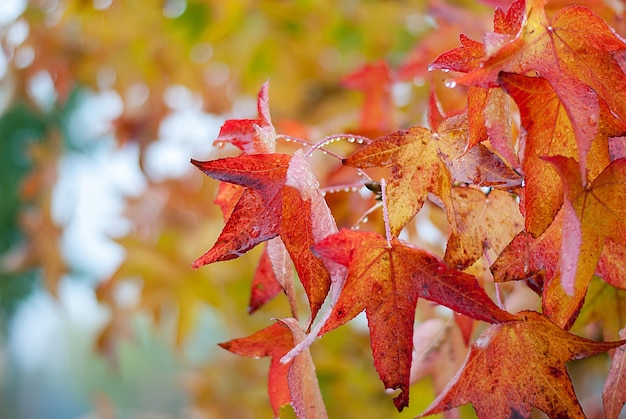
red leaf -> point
(294, 382)
(386, 282)
(252, 136)
(269, 207)
(375, 81)
(265, 286)
(573, 51)
(495, 383)
(258, 213)
(273, 341)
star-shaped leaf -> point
(517, 365)
(481, 222)
(252, 136)
(573, 51)
(416, 170)
(423, 161)
(592, 215)
(270, 207)
(294, 382)
(386, 282)
(549, 132)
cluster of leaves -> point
(540, 202)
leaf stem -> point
(334, 138)
(291, 139)
(368, 212)
(353, 187)
(383, 192)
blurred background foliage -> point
(103, 103)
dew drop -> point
(365, 220)
(350, 140)
(451, 84)
(219, 144)
(359, 140)
(593, 121)
(445, 70)
(323, 193)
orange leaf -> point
(573, 51)
(481, 222)
(549, 132)
(494, 382)
(386, 282)
(421, 162)
(416, 170)
(597, 214)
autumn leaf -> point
(252, 136)
(282, 199)
(257, 215)
(482, 222)
(493, 382)
(375, 81)
(475, 164)
(265, 286)
(596, 213)
(415, 170)
(490, 117)
(294, 382)
(386, 282)
(534, 260)
(537, 261)
(614, 393)
(549, 132)
(572, 51)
